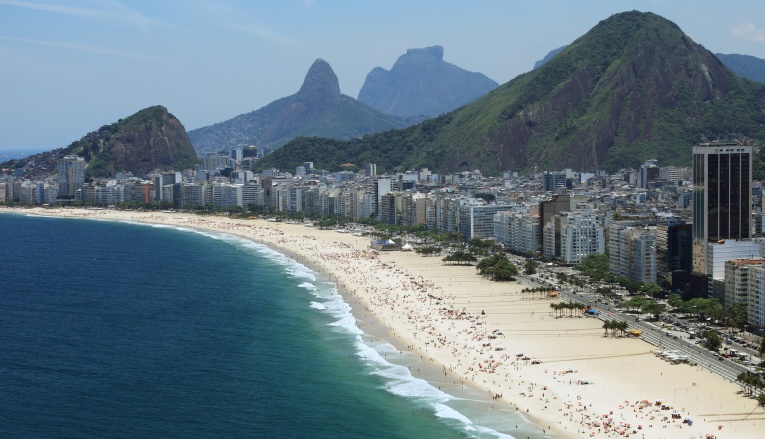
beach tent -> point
(406, 247)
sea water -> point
(113, 329)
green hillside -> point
(634, 87)
(151, 139)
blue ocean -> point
(120, 330)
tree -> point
(713, 340)
(633, 287)
(607, 325)
(761, 399)
(460, 257)
(637, 302)
(654, 308)
(530, 267)
(497, 267)
(737, 313)
(651, 289)
(761, 349)
(675, 300)
(594, 266)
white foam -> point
(399, 379)
(317, 305)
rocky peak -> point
(422, 83)
(432, 51)
(321, 84)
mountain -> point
(548, 57)
(422, 83)
(317, 109)
(746, 66)
(634, 87)
(151, 139)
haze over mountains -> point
(317, 109)
(634, 87)
(422, 83)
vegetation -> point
(751, 382)
(631, 85)
(613, 327)
(530, 267)
(712, 340)
(570, 309)
(497, 267)
(149, 139)
(428, 251)
(460, 258)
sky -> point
(70, 66)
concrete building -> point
(755, 309)
(737, 282)
(71, 175)
(477, 219)
(381, 186)
(519, 231)
(718, 253)
(553, 180)
(581, 234)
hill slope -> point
(151, 139)
(634, 87)
(317, 109)
(422, 83)
(548, 57)
(745, 66)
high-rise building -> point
(71, 175)
(722, 187)
(371, 169)
(551, 181)
(649, 171)
(381, 186)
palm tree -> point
(607, 326)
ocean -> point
(113, 329)
(8, 154)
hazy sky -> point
(71, 66)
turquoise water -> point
(123, 330)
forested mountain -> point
(634, 87)
(151, 139)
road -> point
(652, 334)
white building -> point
(581, 235)
(756, 298)
(477, 219)
(518, 230)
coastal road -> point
(652, 334)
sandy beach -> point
(473, 330)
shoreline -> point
(415, 302)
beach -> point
(570, 379)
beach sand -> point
(448, 313)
